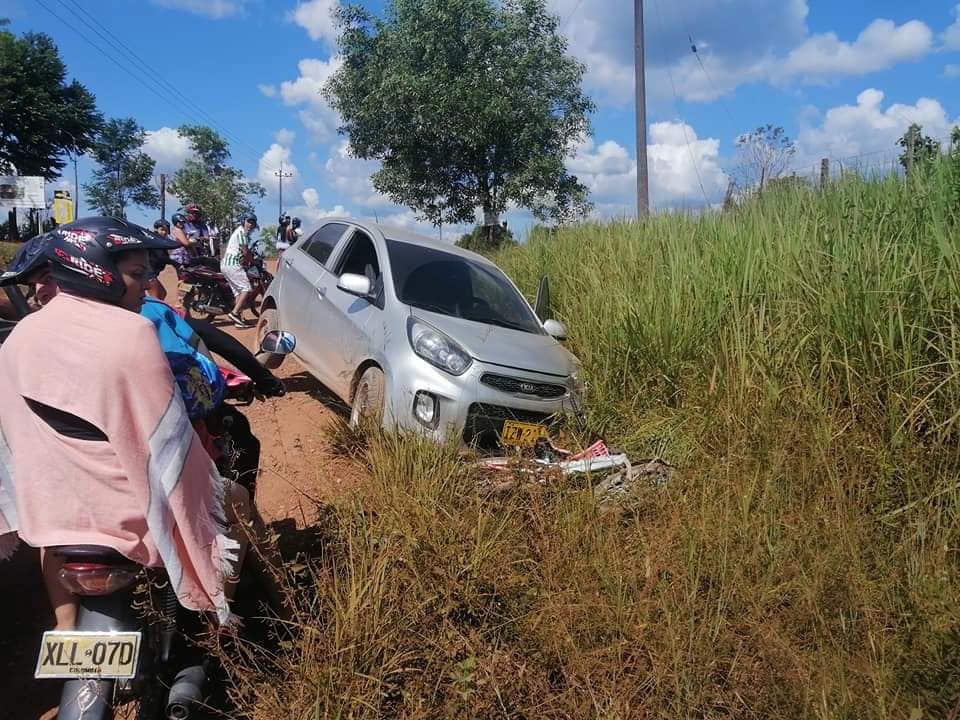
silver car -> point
(421, 334)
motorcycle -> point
(209, 294)
(118, 654)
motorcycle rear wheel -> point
(189, 305)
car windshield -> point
(453, 285)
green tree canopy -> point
(41, 115)
(125, 172)
(207, 179)
(467, 103)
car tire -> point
(367, 406)
(265, 323)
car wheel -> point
(368, 399)
(265, 323)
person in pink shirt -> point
(96, 447)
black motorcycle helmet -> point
(82, 255)
(295, 222)
(31, 256)
(161, 224)
(178, 219)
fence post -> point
(824, 172)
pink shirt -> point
(150, 491)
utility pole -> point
(163, 196)
(281, 174)
(643, 185)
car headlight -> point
(438, 349)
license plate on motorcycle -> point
(520, 434)
(78, 654)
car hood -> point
(502, 346)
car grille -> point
(523, 387)
(485, 423)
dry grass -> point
(798, 360)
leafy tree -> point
(42, 116)
(919, 150)
(467, 103)
(207, 179)
(268, 238)
(765, 155)
(125, 175)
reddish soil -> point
(298, 472)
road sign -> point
(62, 209)
(21, 191)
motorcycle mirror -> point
(278, 342)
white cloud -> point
(678, 163)
(951, 36)
(268, 90)
(211, 8)
(167, 148)
(737, 42)
(868, 129)
(350, 176)
(311, 197)
(951, 71)
(316, 17)
(270, 163)
(312, 214)
(317, 115)
(284, 136)
(881, 45)
(731, 36)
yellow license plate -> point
(521, 434)
(77, 654)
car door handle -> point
(288, 263)
(322, 291)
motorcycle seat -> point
(91, 554)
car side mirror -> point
(278, 342)
(556, 329)
(358, 285)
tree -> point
(919, 150)
(125, 175)
(467, 104)
(42, 116)
(765, 155)
(207, 179)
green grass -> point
(7, 251)
(798, 360)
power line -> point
(148, 70)
(155, 88)
(676, 107)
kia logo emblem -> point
(528, 388)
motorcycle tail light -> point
(96, 578)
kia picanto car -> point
(420, 334)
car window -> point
(321, 243)
(360, 258)
(458, 286)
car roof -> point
(404, 235)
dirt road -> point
(297, 469)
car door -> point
(346, 318)
(304, 273)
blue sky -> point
(844, 79)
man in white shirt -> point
(236, 259)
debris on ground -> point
(617, 475)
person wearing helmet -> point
(185, 249)
(104, 450)
(196, 229)
(158, 261)
(236, 258)
(282, 226)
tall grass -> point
(798, 360)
